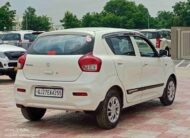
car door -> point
(152, 79)
(128, 65)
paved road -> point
(182, 63)
(147, 120)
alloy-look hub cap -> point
(171, 90)
(113, 109)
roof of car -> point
(90, 30)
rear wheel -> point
(168, 50)
(169, 92)
(33, 114)
(109, 111)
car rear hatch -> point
(55, 57)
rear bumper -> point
(6, 71)
(68, 102)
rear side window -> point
(11, 36)
(121, 45)
(30, 37)
(62, 45)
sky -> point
(56, 8)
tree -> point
(165, 19)
(91, 20)
(33, 22)
(130, 14)
(182, 13)
(111, 20)
(7, 17)
(70, 21)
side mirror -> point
(163, 53)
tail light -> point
(90, 63)
(158, 41)
(21, 61)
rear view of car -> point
(96, 70)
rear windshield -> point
(62, 45)
(151, 35)
(11, 36)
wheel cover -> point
(113, 109)
(171, 90)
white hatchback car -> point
(95, 70)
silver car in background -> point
(18, 38)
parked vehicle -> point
(1, 35)
(161, 38)
(18, 38)
(96, 70)
(8, 59)
(36, 34)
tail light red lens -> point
(90, 63)
(158, 41)
(21, 61)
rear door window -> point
(63, 45)
(121, 45)
(11, 37)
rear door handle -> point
(119, 63)
(145, 64)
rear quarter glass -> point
(62, 45)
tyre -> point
(169, 92)
(168, 50)
(33, 114)
(12, 75)
(109, 111)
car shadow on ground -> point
(6, 81)
(81, 123)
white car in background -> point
(18, 38)
(161, 38)
(8, 59)
(1, 35)
(95, 70)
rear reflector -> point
(52, 52)
(21, 90)
(80, 94)
(158, 42)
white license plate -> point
(49, 92)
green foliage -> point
(182, 13)
(7, 17)
(70, 21)
(33, 22)
(91, 20)
(127, 14)
(165, 19)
